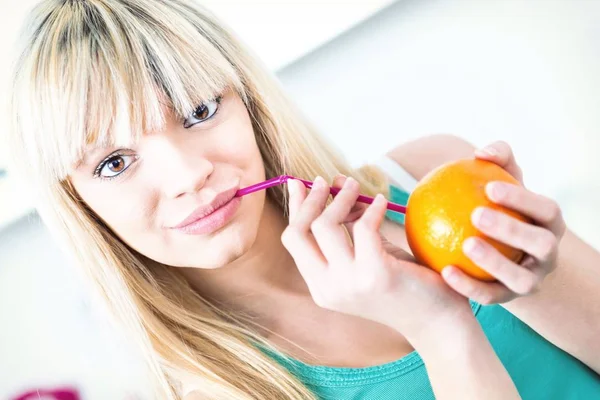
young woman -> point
(137, 121)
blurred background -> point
(371, 74)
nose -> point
(180, 167)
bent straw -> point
(282, 179)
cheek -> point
(126, 210)
(237, 142)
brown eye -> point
(201, 112)
(114, 165)
(204, 112)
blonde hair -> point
(96, 72)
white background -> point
(522, 71)
(280, 31)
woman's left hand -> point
(538, 240)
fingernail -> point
(483, 217)
(379, 198)
(339, 177)
(292, 189)
(473, 248)
(350, 182)
(496, 191)
(319, 183)
(489, 150)
(449, 275)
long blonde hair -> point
(96, 72)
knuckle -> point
(504, 149)
(519, 171)
(366, 285)
(553, 211)
(483, 297)
(562, 227)
(526, 284)
(535, 288)
(478, 293)
(289, 235)
(498, 266)
(320, 301)
(513, 228)
(503, 143)
(327, 302)
(546, 244)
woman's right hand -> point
(370, 278)
(362, 274)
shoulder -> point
(412, 161)
(419, 156)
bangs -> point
(101, 74)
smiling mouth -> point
(208, 216)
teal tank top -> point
(540, 370)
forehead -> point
(107, 87)
(97, 145)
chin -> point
(220, 256)
(226, 247)
(223, 247)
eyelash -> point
(103, 163)
(218, 100)
(109, 158)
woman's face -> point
(171, 196)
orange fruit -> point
(438, 215)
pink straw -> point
(280, 180)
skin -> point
(170, 173)
(266, 267)
(369, 277)
(555, 288)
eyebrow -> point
(87, 155)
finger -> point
(544, 211)
(367, 238)
(297, 237)
(328, 230)
(296, 196)
(338, 181)
(357, 210)
(355, 213)
(534, 240)
(313, 205)
(501, 153)
(518, 279)
(482, 292)
(306, 254)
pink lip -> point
(201, 212)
